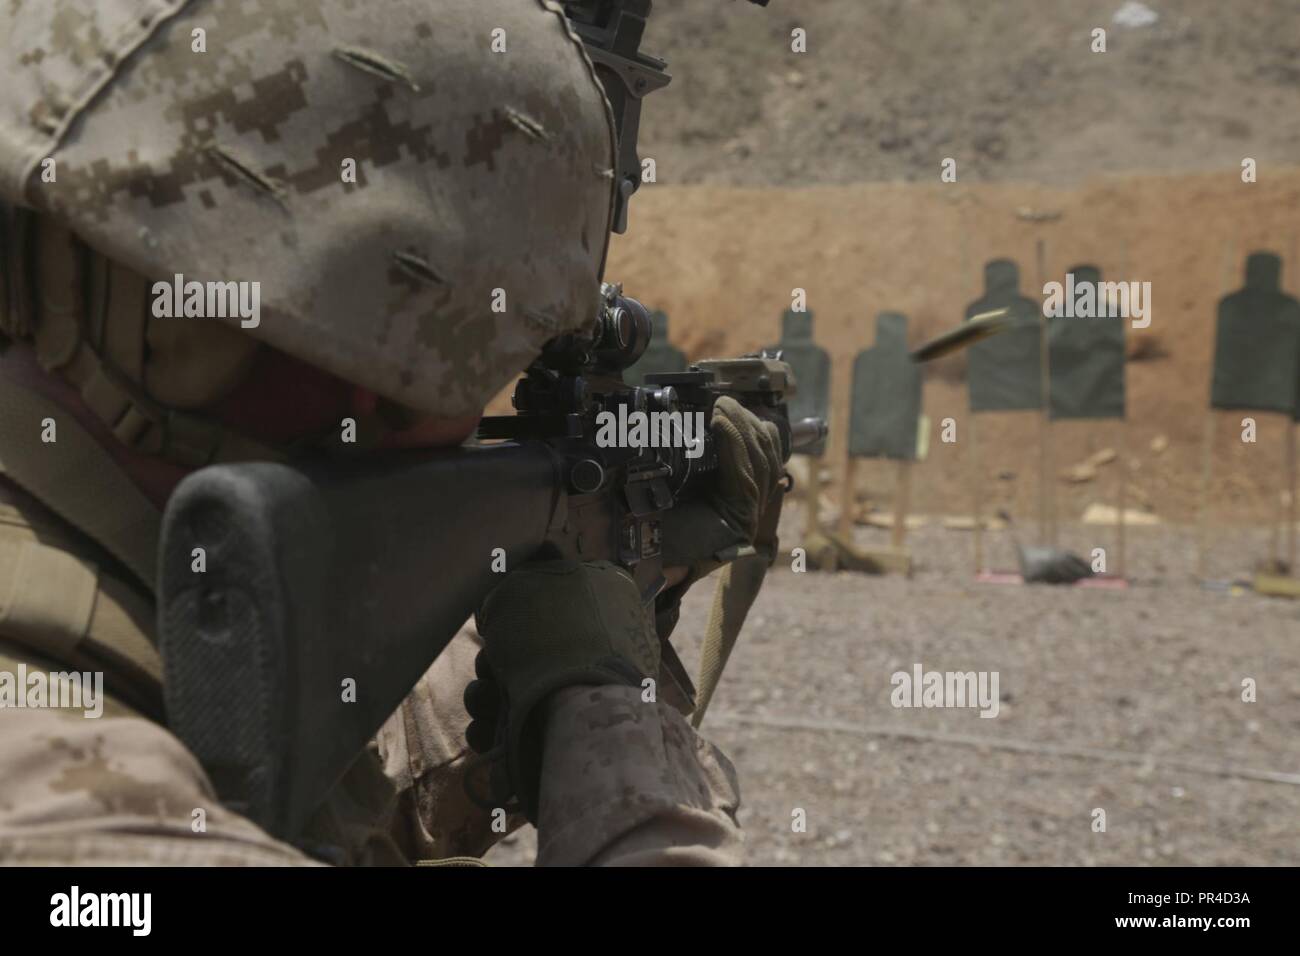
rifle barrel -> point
(807, 432)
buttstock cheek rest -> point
(222, 602)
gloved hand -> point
(550, 625)
(704, 535)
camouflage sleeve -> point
(623, 782)
(627, 783)
(424, 753)
(110, 790)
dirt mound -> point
(1012, 89)
(723, 261)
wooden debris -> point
(1103, 457)
(1097, 513)
(1274, 585)
(885, 519)
(1080, 473)
(826, 551)
(1030, 214)
(967, 523)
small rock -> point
(1103, 457)
(1133, 14)
(1078, 474)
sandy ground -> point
(1140, 688)
(1011, 89)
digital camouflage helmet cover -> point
(482, 142)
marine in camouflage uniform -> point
(210, 139)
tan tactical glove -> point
(704, 535)
(550, 625)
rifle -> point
(363, 570)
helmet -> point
(418, 192)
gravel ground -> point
(1128, 701)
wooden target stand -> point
(1048, 524)
(1286, 583)
(829, 550)
(1046, 490)
(1279, 580)
(1115, 577)
(895, 559)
